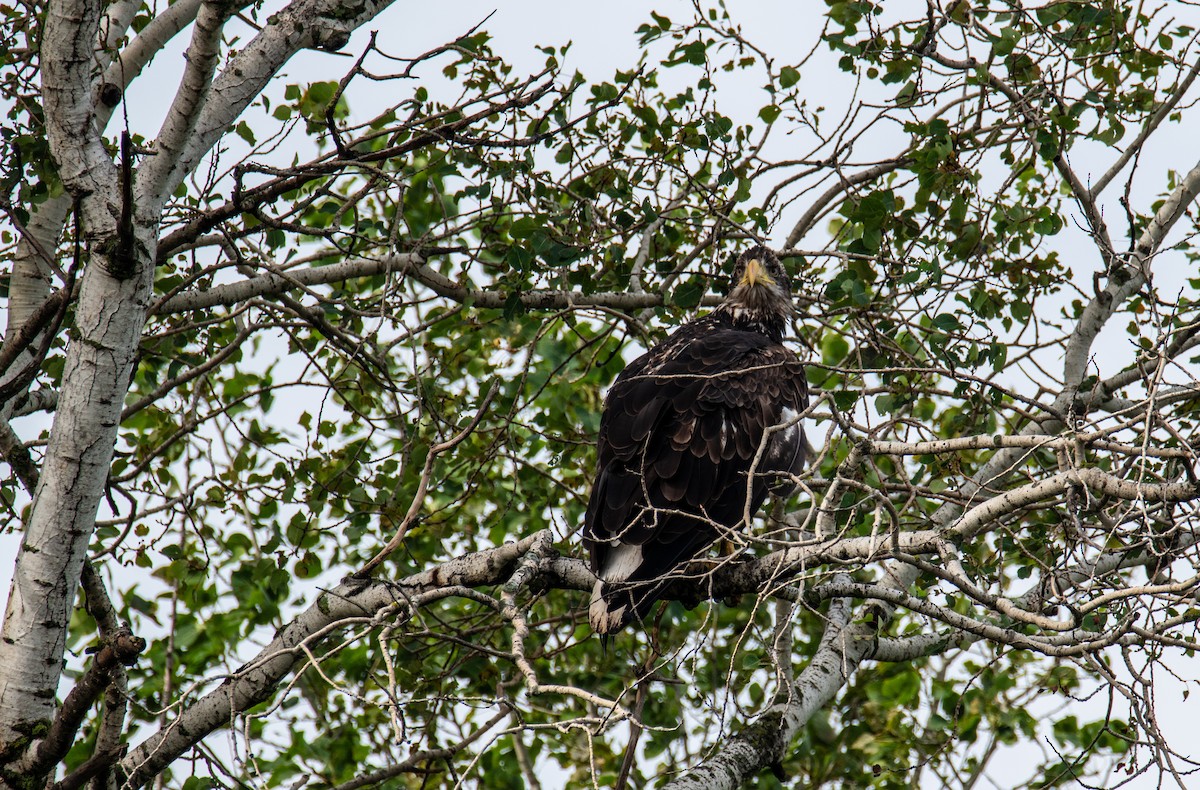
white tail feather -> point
(602, 619)
(622, 561)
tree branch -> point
(417, 760)
(173, 138)
(522, 96)
(845, 183)
(418, 500)
(1124, 281)
(765, 742)
(1164, 110)
(302, 24)
(257, 680)
(408, 264)
(122, 648)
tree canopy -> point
(299, 390)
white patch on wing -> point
(623, 560)
(791, 416)
(785, 442)
(787, 436)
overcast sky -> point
(604, 41)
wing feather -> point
(680, 431)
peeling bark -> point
(111, 311)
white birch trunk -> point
(31, 275)
(112, 307)
(109, 321)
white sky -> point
(604, 40)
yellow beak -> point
(755, 273)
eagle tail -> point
(607, 613)
(616, 605)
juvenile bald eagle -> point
(681, 428)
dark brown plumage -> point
(681, 428)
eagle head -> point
(761, 297)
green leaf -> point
(525, 227)
(246, 133)
(770, 113)
(834, 348)
(947, 322)
(688, 294)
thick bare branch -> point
(1125, 280)
(408, 264)
(765, 742)
(190, 100)
(302, 24)
(259, 678)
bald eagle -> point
(681, 429)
